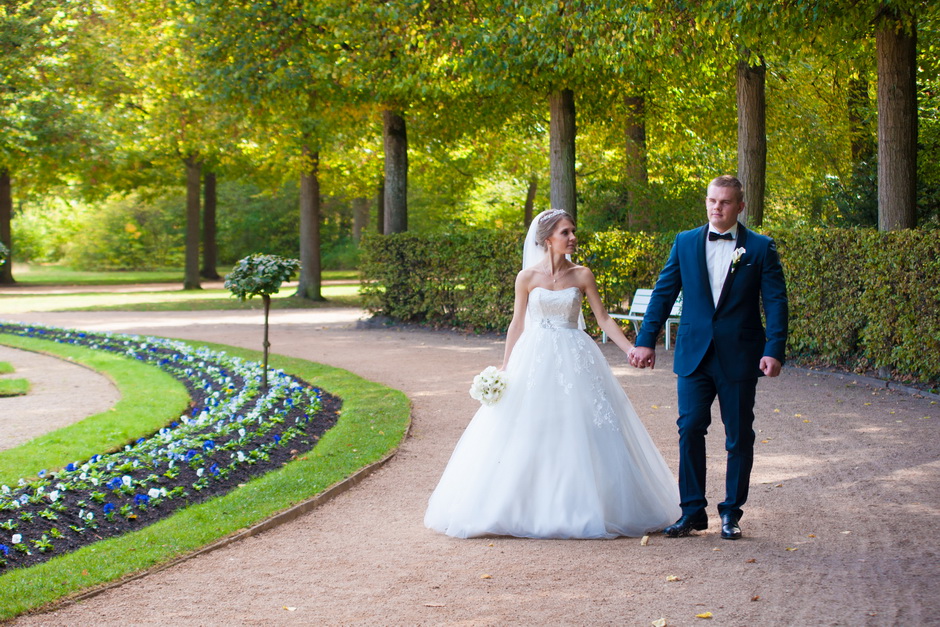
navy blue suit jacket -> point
(735, 324)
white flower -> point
(153, 493)
(17, 538)
(200, 472)
(736, 257)
(488, 386)
(53, 496)
(126, 480)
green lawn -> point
(35, 274)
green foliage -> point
(260, 275)
(4, 254)
(130, 232)
(464, 278)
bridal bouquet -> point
(488, 386)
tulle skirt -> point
(562, 454)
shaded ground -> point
(841, 528)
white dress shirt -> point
(718, 261)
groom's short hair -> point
(726, 180)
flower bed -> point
(233, 431)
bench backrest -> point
(641, 300)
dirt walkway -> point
(841, 529)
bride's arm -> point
(518, 315)
(604, 321)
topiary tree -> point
(261, 275)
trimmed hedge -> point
(859, 299)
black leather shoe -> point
(686, 524)
(729, 527)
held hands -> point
(770, 366)
(642, 357)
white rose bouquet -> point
(488, 386)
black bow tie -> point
(712, 236)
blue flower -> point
(4, 549)
(214, 469)
(208, 445)
(277, 438)
(141, 499)
(108, 508)
(114, 484)
(70, 467)
(190, 454)
(42, 473)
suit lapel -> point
(740, 242)
(702, 262)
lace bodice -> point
(555, 308)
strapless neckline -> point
(539, 287)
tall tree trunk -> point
(752, 137)
(309, 282)
(6, 230)
(529, 211)
(360, 217)
(210, 250)
(380, 208)
(193, 176)
(897, 124)
(396, 172)
(562, 133)
(636, 171)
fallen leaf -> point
(756, 597)
(779, 485)
(290, 609)
(434, 605)
(805, 420)
(869, 403)
(812, 535)
(655, 406)
(790, 548)
(85, 572)
(490, 544)
(750, 561)
(659, 622)
(644, 541)
(672, 578)
(845, 533)
(704, 615)
(716, 549)
(764, 441)
(486, 576)
(776, 411)
(798, 415)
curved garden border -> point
(375, 419)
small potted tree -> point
(261, 275)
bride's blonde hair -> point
(547, 223)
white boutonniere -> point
(736, 257)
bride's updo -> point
(547, 223)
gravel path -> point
(841, 528)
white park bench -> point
(638, 305)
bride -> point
(562, 454)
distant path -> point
(60, 393)
(843, 525)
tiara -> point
(551, 214)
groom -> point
(726, 273)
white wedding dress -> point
(562, 454)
